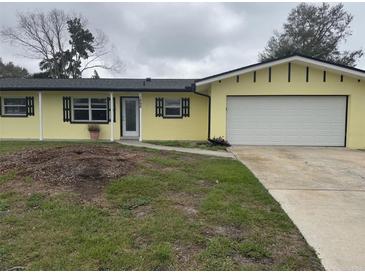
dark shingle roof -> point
(9, 84)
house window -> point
(172, 107)
(90, 110)
(15, 106)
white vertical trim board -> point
(140, 116)
(111, 117)
(40, 116)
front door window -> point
(130, 112)
(130, 117)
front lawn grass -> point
(189, 144)
(173, 212)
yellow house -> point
(295, 100)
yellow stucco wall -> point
(194, 127)
(20, 127)
(55, 128)
(279, 85)
(53, 125)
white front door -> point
(130, 117)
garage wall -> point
(279, 85)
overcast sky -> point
(176, 39)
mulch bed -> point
(86, 168)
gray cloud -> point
(178, 39)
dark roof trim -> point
(279, 59)
(190, 89)
(116, 85)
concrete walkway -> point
(179, 149)
(323, 191)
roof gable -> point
(299, 59)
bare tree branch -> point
(45, 36)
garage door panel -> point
(286, 120)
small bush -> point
(219, 141)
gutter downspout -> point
(209, 109)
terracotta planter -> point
(94, 135)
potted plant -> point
(94, 132)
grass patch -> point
(189, 144)
(172, 212)
(7, 176)
(35, 200)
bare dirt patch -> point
(187, 203)
(83, 168)
(226, 231)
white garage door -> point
(286, 120)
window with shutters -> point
(172, 108)
(16, 106)
(89, 110)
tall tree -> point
(9, 70)
(316, 31)
(81, 46)
(44, 36)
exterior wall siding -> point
(279, 85)
(194, 127)
(20, 127)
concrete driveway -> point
(323, 192)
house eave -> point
(352, 72)
(95, 89)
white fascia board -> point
(331, 67)
(294, 59)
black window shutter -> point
(185, 107)
(108, 103)
(108, 106)
(30, 105)
(159, 107)
(114, 110)
(0, 107)
(67, 109)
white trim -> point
(111, 117)
(140, 116)
(40, 116)
(297, 59)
